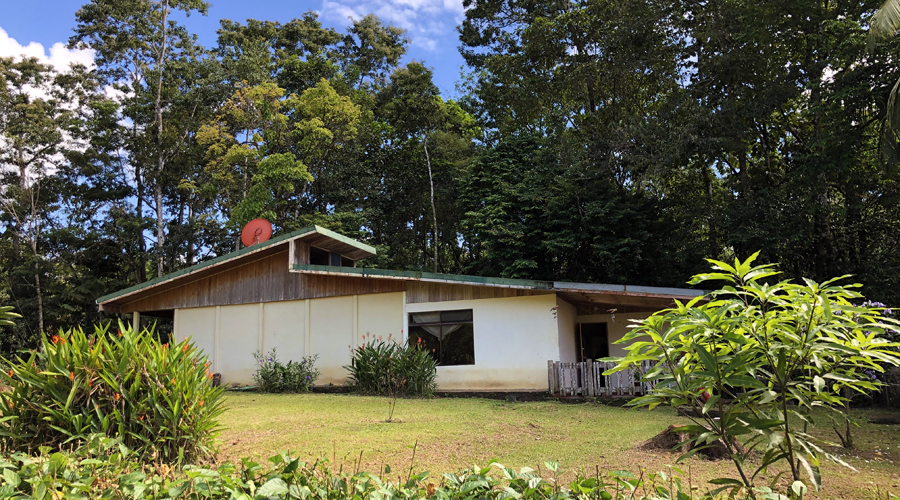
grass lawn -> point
(455, 433)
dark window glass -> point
(335, 259)
(318, 257)
(448, 335)
(345, 262)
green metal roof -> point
(237, 254)
(419, 275)
(559, 286)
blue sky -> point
(41, 28)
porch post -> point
(136, 321)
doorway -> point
(592, 341)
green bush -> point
(754, 358)
(157, 399)
(273, 376)
(389, 368)
(105, 469)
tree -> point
(261, 145)
(765, 354)
(135, 41)
(35, 118)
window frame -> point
(470, 321)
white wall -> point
(284, 328)
(200, 325)
(329, 327)
(616, 327)
(514, 339)
(566, 324)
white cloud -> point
(59, 56)
(424, 20)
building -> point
(303, 294)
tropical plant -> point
(274, 376)
(389, 368)
(104, 468)
(156, 398)
(753, 359)
(884, 25)
(7, 315)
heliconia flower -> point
(120, 333)
(141, 418)
(184, 348)
(118, 396)
(201, 402)
(55, 339)
(72, 376)
(210, 375)
(166, 345)
(10, 373)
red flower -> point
(118, 396)
(201, 402)
(166, 345)
(55, 339)
(72, 376)
(184, 348)
(11, 373)
(120, 333)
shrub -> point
(106, 470)
(388, 368)
(273, 376)
(157, 399)
(753, 359)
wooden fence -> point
(586, 379)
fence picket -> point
(586, 379)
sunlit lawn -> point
(453, 433)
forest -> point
(591, 140)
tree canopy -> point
(592, 140)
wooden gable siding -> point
(263, 280)
(418, 292)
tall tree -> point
(134, 42)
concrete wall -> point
(616, 327)
(566, 323)
(514, 338)
(329, 327)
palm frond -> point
(885, 23)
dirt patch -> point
(674, 439)
(885, 420)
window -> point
(449, 335)
(318, 257)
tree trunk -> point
(433, 209)
(161, 162)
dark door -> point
(592, 341)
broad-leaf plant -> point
(756, 362)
